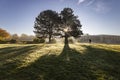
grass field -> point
(57, 62)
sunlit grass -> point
(47, 62)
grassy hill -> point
(58, 62)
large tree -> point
(70, 26)
(49, 24)
(4, 34)
(45, 24)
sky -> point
(97, 16)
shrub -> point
(53, 40)
(37, 40)
(3, 42)
(13, 41)
(41, 40)
(29, 42)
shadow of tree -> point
(104, 62)
(12, 52)
(9, 59)
(94, 64)
(2, 50)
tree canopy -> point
(71, 25)
(45, 24)
(3, 34)
(50, 23)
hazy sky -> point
(96, 16)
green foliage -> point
(13, 41)
(3, 41)
(45, 24)
(71, 23)
(37, 40)
(42, 41)
(29, 42)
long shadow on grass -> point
(12, 52)
(2, 50)
(94, 64)
(10, 59)
(105, 63)
(52, 67)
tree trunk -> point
(66, 39)
(50, 38)
(50, 34)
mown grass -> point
(59, 62)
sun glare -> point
(66, 30)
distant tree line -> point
(22, 38)
(6, 37)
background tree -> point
(25, 37)
(31, 37)
(45, 24)
(15, 37)
(4, 34)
